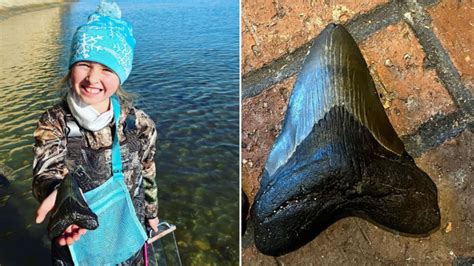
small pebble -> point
(449, 227)
(202, 245)
(388, 63)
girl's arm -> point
(49, 152)
(148, 165)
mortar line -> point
(436, 131)
(437, 58)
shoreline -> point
(6, 12)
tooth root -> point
(338, 155)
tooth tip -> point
(340, 54)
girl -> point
(80, 135)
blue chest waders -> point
(119, 235)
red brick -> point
(261, 122)
(410, 93)
(353, 240)
(453, 24)
(272, 28)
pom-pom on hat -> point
(105, 39)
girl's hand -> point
(46, 206)
(72, 232)
(70, 235)
(153, 223)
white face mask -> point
(86, 115)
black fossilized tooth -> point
(70, 208)
(337, 156)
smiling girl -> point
(83, 136)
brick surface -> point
(353, 240)
(459, 43)
(410, 93)
(261, 123)
(272, 28)
(251, 256)
(451, 166)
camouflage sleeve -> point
(148, 135)
(49, 152)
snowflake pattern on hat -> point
(124, 53)
(86, 44)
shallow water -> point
(186, 74)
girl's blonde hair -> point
(64, 87)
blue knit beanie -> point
(105, 39)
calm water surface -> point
(186, 74)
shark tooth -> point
(70, 208)
(338, 156)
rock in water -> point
(70, 208)
(5, 173)
(337, 156)
(4, 181)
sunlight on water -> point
(186, 74)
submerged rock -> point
(338, 156)
(5, 172)
(70, 208)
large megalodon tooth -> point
(337, 156)
(70, 208)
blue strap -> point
(116, 155)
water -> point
(186, 74)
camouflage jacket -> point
(88, 155)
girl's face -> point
(94, 83)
